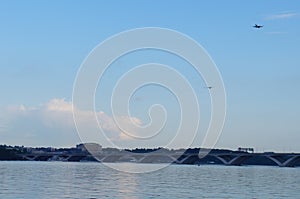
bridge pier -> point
(290, 162)
(232, 160)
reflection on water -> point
(94, 180)
(126, 186)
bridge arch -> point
(230, 159)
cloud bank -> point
(52, 124)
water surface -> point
(95, 180)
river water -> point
(95, 180)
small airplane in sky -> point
(209, 87)
(257, 26)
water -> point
(94, 180)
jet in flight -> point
(257, 26)
(209, 87)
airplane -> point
(209, 87)
(257, 26)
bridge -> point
(279, 159)
(232, 158)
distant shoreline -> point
(95, 153)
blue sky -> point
(44, 43)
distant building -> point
(247, 150)
(92, 148)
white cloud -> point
(282, 15)
(59, 105)
(52, 124)
(276, 33)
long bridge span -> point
(233, 158)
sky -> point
(43, 45)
